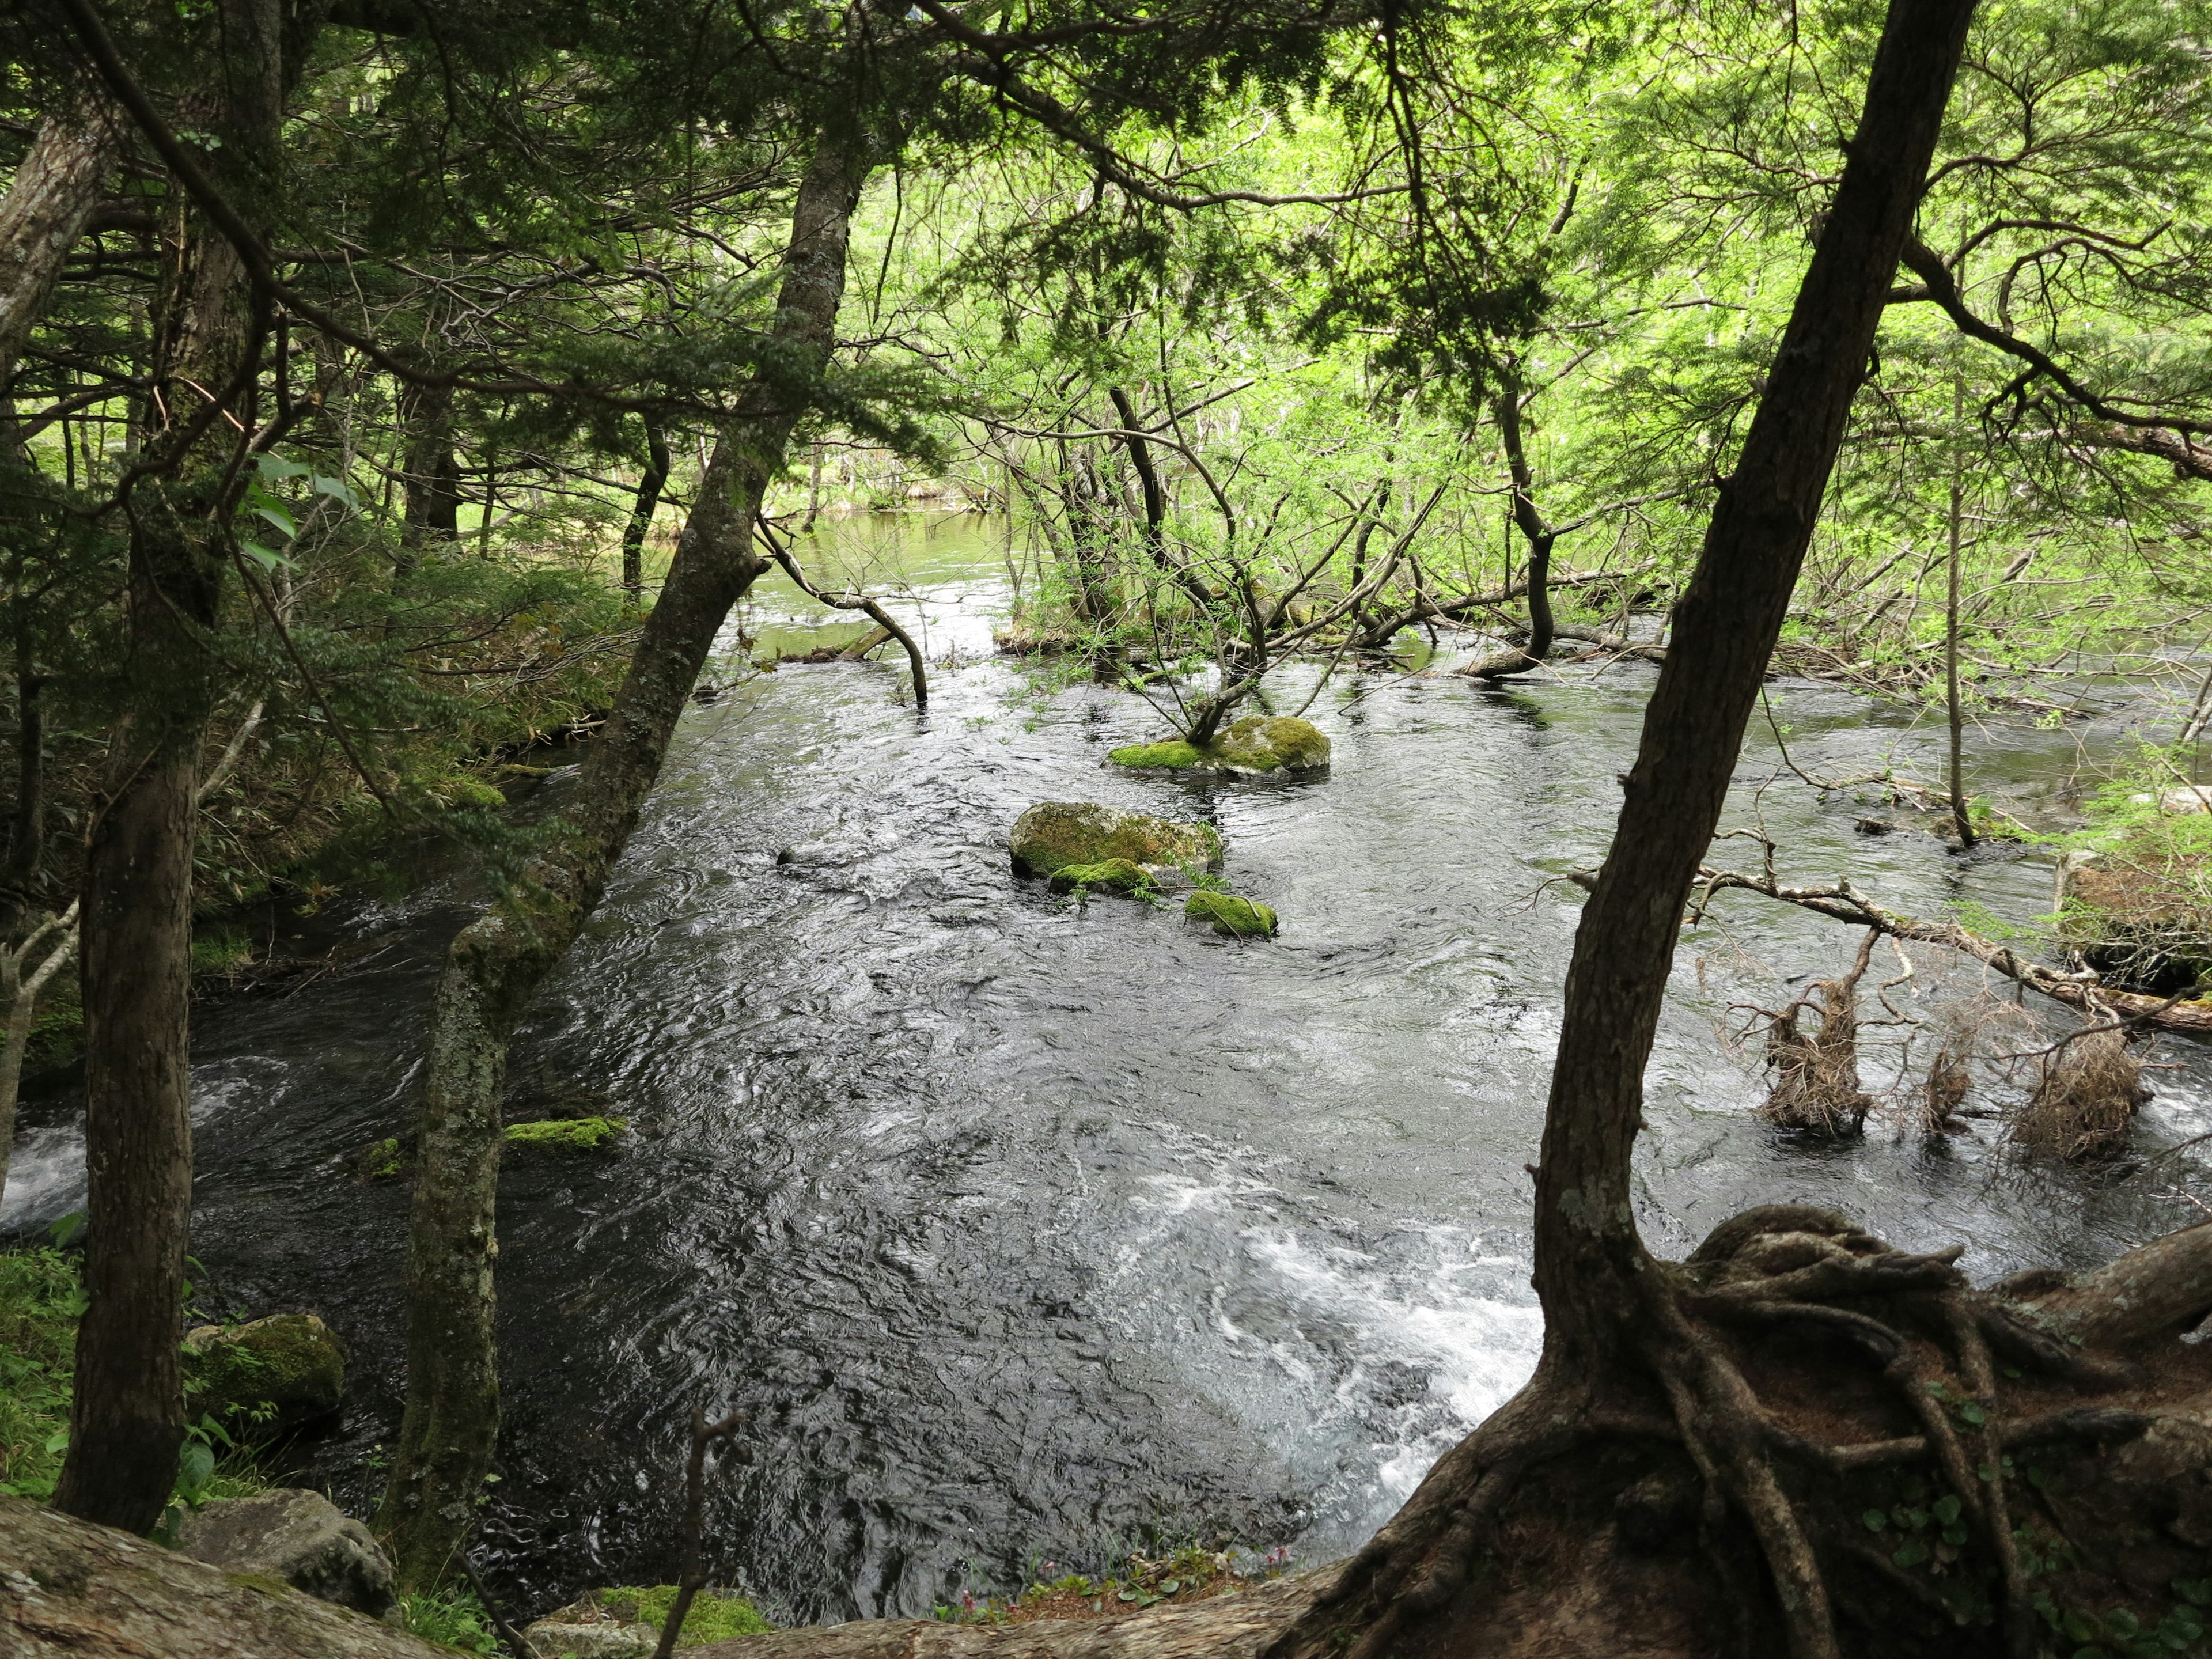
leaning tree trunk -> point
(450, 1428)
(48, 204)
(1611, 1321)
(127, 1415)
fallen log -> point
(1236, 1625)
(69, 1588)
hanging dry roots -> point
(2086, 1097)
(1810, 1443)
(1816, 1074)
(1945, 1089)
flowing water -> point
(1028, 1231)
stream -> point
(1028, 1231)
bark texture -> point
(127, 1417)
(70, 1589)
(449, 1430)
(48, 204)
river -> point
(1027, 1230)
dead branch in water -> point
(1816, 1073)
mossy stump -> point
(1257, 746)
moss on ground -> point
(568, 1134)
(1233, 917)
(1174, 753)
(712, 1619)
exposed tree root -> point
(1816, 1073)
(2085, 1099)
(1817, 1445)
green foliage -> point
(452, 1617)
(41, 1301)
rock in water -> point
(1056, 834)
(278, 1372)
(1233, 917)
(1253, 747)
(299, 1537)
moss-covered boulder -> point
(266, 1375)
(569, 1134)
(1233, 917)
(1253, 747)
(1057, 834)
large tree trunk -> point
(47, 206)
(430, 505)
(450, 1428)
(127, 1415)
(1612, 1324)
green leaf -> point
(280, 518)
(1911, 1555)
(336, 489)
(2081, 1627)
(267, 558)
(1875, 1520)
(57, 1441)
(1170, 1587)
(1955, 1535)
(2198, 1592)
(2122, 1625)
(1973, 1413)
(1946, 1509)
(273, 467)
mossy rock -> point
(1113, 875)
(381, 1160)
(1057, 834)
(625, 1623)
(1253, 747)
(569, 1134)
(1233, 917)
(270, 1374)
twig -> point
(703, 1435)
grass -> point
(451, 1618)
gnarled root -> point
(1814, 1445)
(1816, 1073)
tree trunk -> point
(1611, 1321)
(648, 499)
(127, 1413)
(449, 1430)
(46, 209)
(1537, 531)
(430, 506)
(1961, 819)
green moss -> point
(381, 1160)
(1173, 753)
(568, 1134)
(1233, 917)
(1257, 744)
(273, 1372)
(712, 1619)
(1113, 875)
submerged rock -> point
(299, 1537)
(1233, 917)
(276, 1373)
(1055, 835)
(1253, 747)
